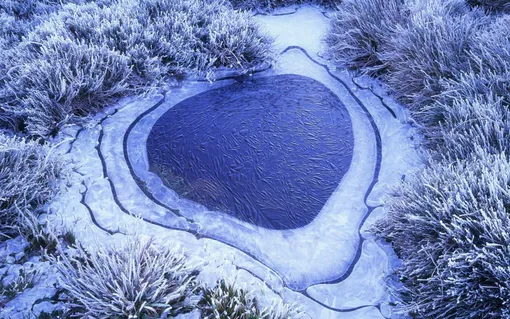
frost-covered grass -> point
(144, 280)
(361, 31)
(450, 228)
(138, 280)
(60, 79)
(79, 57)
(29, 178)
(228, 301)
(26, 279)
(268, 5)
(432, 46)
(450, 63)
(17, 18)
(415, 44)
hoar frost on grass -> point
(449, 227)
(450, 63)
(226, 301)
(144, 280)
(136, 280)
(84, 55)
(29, 177)
(360, 32)
(269, 5)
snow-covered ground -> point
(332, 268)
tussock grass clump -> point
(139, 280)
(226, 301)
(414, 44)
(361, 30)
(471, 108)
(60, 79)
(433, 45)
(29, 178)
(181, 35)
(449, 228)
(84, 55)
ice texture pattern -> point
(270, 151)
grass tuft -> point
(448, 226)
(227, 301)
(29, 178)
(361, 31)
(432, 46)
(81, 56)
(139, 280)
(269, 5)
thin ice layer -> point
(255, 149)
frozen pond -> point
(269, 151)
(271, 180)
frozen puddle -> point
(273, 181)
(269, 151)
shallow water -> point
(269, 151)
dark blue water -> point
(269, 151)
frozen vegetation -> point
(267, 6)
(135, 280)
(59, 64)
(29, 178)
(449, 61)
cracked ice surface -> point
(332, 266)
